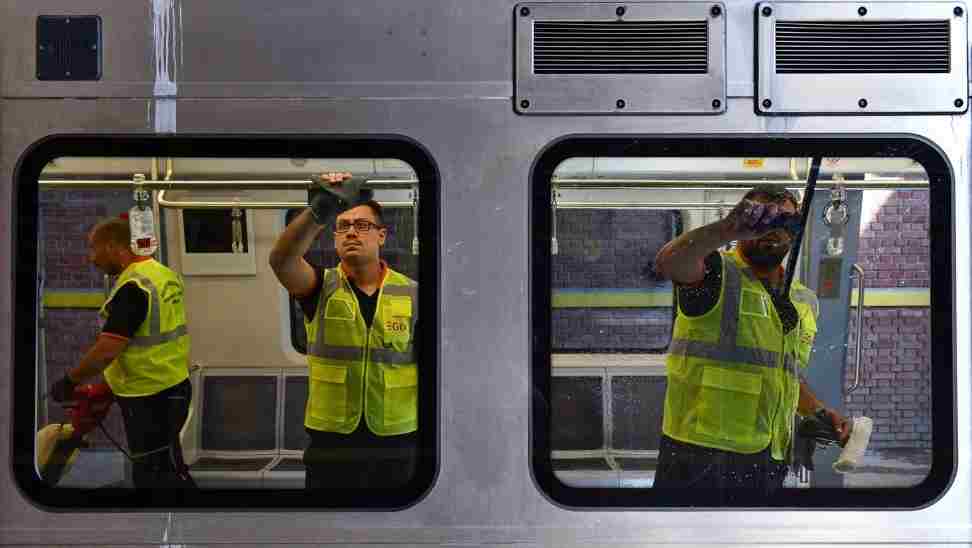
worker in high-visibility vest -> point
(360, 317)
(738, 351)
(143, 351)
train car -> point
(531, 160)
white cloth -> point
(856, 445)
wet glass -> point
(864, 257)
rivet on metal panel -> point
(862, 11)
(767, 11)
(959, 103)
(524, 11)
(524, 104)
(620, 103)
(862, 103)
(958, 11)
(716, 11)
(620, 11)
(716, 103)
(767, 103)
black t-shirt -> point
(126, 311)
(697, 299)
(367, 303)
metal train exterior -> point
(449, 82)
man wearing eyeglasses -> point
(360, 318)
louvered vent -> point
(620, 47)
(822, 47)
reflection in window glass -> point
(248, 414)
(212, 231)
(751, 380)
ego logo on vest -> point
(397, 326)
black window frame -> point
(26, 214)
(941, 184)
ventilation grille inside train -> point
(620, 47)
(862, 46)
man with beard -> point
(143, 352)
(738, 351)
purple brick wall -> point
(894, 246)
(896, 391)
(600, 249)
(610, 249)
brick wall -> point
(894, 245)
(896, 390)
(610, 249)
(612, 329)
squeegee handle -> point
(804, 215)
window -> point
(608, 336)
(219, 206)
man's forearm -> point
(295, 240)
(97, 358)
(808, 403)
(681, 260)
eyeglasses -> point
(360, 225)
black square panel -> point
(239, 413)
(69, 47)
(211, 230)
(578, 413)
(637, 404)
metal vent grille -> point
(620, 47)
(820, 47)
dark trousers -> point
(360, 459)
(685, 465)
(152, 425)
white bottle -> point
(142, 224)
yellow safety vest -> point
(355, 370)
(733, 375)
(157, 356)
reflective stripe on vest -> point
(724, 392)
(157, 355)
(356, 370)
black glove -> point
(325, 201)
(63, 390)
(814, 430)
(803, 452)
(819, 428)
